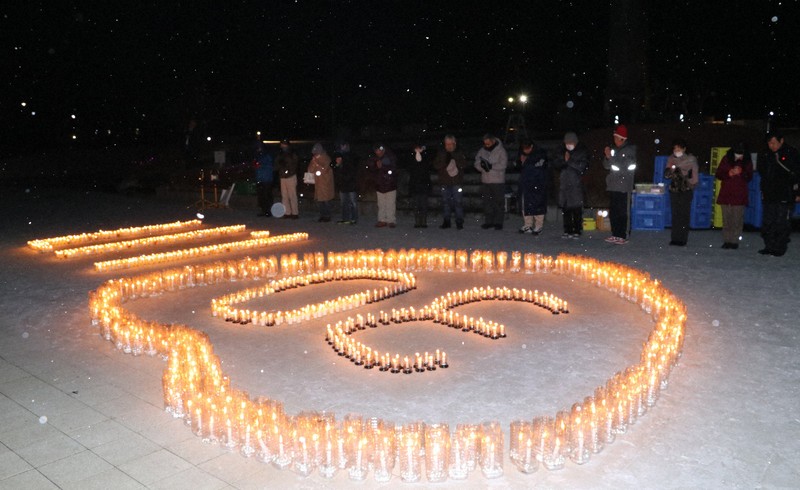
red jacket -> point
(734, 189)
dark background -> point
(137, 72)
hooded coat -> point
(497, 159)
(570, 188)
(620, 179)
(734, 190)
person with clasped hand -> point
(734, 172)
(450, 164)
(491, 162)
(780, 172)
(682, 170)
(620, 160)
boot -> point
(459, 224)
(445, 224)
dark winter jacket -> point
(419, 173)
(442, 161)
(286, 163)
(734, 188)
(780, 172)
(346, 173)
(385, 175)
(622, 166)
(534, 178)
(570, 188)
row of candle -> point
(189, 253)
(50, 244)
(223, 306)
(152, 241)
(196, 388)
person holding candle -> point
(383, 165)
(682, 170)
(419, 183)
(620, 161)
(320, 166)
(734, 172)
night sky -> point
(107, 73)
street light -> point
(524, 99)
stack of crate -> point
(647, 211)
(753, 215)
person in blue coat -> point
(534, 178)
(264, 179)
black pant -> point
(420, 209)
(681, 203)
(493, 203)
(264, 193)
(573, 221)
(618, 214)
(776, 227)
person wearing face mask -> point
(572, 159)
(682, 170)
(734, 172)
(620, 160)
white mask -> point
(570, 147)
(678, 154)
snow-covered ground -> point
(728, 418)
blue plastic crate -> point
(700, 220)
(667, 211)
(647, 220)
(796, 213)
(705, 182)
(658, 169)
(648, 202)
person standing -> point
(450, 164)
(345, 172)
(734, 172)
(620, 160)
(419, 184)
(682, 171)
(320, 166)
(491, 162)
(264, 171)
(780, 172)
(572, 159)
(534, 178)
(286, 165)
(383, 165)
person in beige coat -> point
(320, 166)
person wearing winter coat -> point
(320, 166)
(780, 173)
(264, 171)
(345, 175)
(734, 172)
(491, 162)
(682, 170)
(419, 184)
(450, 164)
(383, 165)
(286, 165)
(572, 159)
(534, 177)
(620, 161)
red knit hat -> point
(621, 131)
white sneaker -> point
(566, 235)
(526, 229)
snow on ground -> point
(728, 418)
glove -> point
(485, 165)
